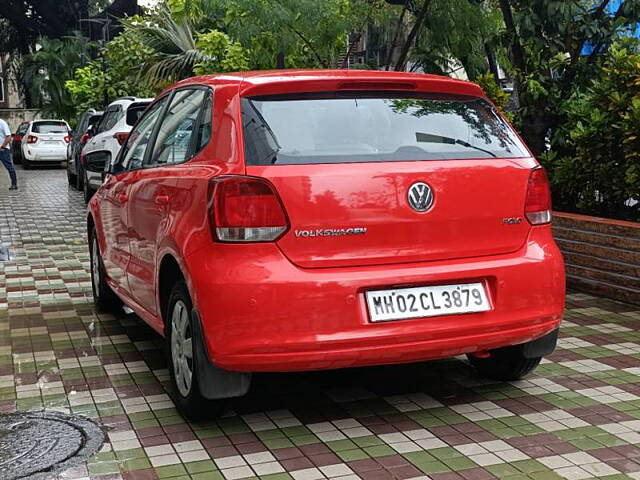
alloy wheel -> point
(182, 348)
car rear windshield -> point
(49, 127)
(373, 127)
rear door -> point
(152, 192)
(115, 199)
(381, 178)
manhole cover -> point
(40, 444)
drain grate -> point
(39, 444)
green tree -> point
(178, 50)
(116, 72)
(49, 68)
(545, 40)
(597, 168)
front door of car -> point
(150, 197)
(116, 197)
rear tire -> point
(86, 189)
(103, 296)
(26, 164)
(79, 178)
(180, 346)
(71, 178)
(506, 364)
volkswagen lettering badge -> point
(420, 197)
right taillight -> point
(537, 207)
(32, 139)
(246, 209)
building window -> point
(1, 90)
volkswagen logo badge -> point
(420, 197)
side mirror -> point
(97, 161)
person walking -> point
(5, 153)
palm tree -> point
(174, 43)
(49, 67)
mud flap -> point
(542, 346)
(214, 382)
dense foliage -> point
(596, 167)
(575, 97)
(113, 74)
(47, 70)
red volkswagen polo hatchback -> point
(303, 220)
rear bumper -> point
(261, 313)
(44, 155)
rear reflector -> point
(32, 139)
(538, 203)
(246, 209)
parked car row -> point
(98, 140)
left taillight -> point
(246, 209)
(67, 138)
(32, 139)
(538, 202)
(121, 137)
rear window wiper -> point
(431, 138)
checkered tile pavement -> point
(577, 418)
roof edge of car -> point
(269, 81)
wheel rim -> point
(182, 348)
(95, 268)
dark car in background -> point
(85, 129)
(16, 142)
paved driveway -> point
(579, 417)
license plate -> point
(431, 301)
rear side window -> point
(49, 127)
(173, 142)
(373, 127)
(93, 121)
(110, 118)
(22, 129)
(134, 113)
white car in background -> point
(108, 137)
(45, 142)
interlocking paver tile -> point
(577, 417)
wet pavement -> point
(577, 417)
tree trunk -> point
(404, 53)
(396, 34)
(491, 60)
(535, 125)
